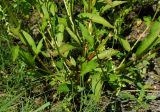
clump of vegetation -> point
(80, 55)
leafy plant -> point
(82, 52)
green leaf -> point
(107, 54)
(85, 4)
(53, 8)
(125, 44)
(97, 86)
(147, 20)
(42, 107)
(86, 35)
(150, 39)
(95, 18)
(59, 34)
(45, 17)
(74, 36)
(45, 12)
(15, 52)
(80, 89)
(16, 32)
(112, 5)
(126, 96)
(157, 41)
(114, 80)
(39, 46)
(88, 67)
(73, 62)
(63, 88)
(27, 57)
(62, 21)
(30, 41)
(62, 49)
(151, 97)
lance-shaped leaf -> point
(15, 52)
(45, 17)
(39, 46)
(86, 34)
(74, 36)
(96, 86)
(59, 34)
(95, 18)
(125, 44)
(150, 39)
(113, 4)
(53, 8)
(30, 41)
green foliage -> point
(83, 53)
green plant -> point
(81, 54)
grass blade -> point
(42, 107)
(150, 39)
(72, 35)
(4, 107)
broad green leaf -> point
(95, 18)
(39, 46)
(150, 39)
(97, 86)
(125, 44)
(15, 52)
(63, 88)
(111, 5)
(88, 67)
(86, 34)
(41, 108)
(62, 49)
(59, 34)
(107, 54)
(30, 41)
(74, 36)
